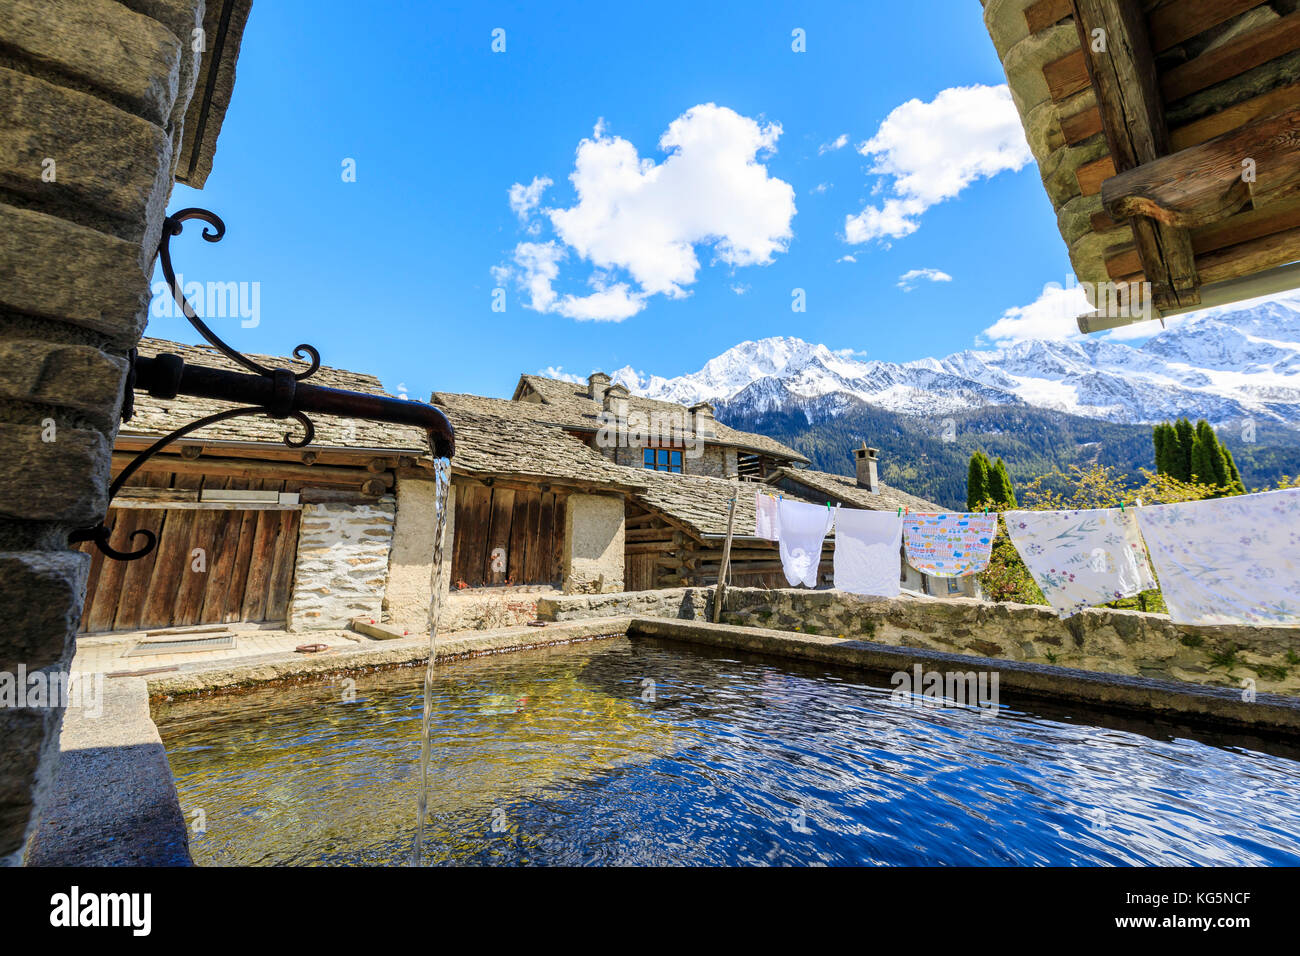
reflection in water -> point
(638, 752)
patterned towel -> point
(1228, 560)
(1082, 558)
(949, 545)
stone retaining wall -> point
(1115, 642)
(342, 568)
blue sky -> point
(394, 273)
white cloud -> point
(524, 199)
(644, 219)
(839, 142)
(740, 288)
(847, 258)
(557, 371)
(820, 188)
(1052, 316)
(932, 151)
(538, 265)
(907, 281)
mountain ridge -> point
(1040, 405)
(1225, 367)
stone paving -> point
(105, 654)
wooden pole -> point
(721, 586)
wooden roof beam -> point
(1258, 163)
(1113, 34)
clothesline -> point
(904, 510)
(1220, 561)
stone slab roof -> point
(845, 489)
(223, 32)
(492, 445)
(700, 502)
(568, 404)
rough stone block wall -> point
(342, 566)
(93, 95)
(410, 564)
(593, 544)
(1099, 639)
(713, 462)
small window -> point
(954, 586)
(662, 459)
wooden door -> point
(217, 565)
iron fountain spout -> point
(276, 392)
(282, 395)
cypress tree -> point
(1202, 462)
(1214, 449)
(1234, 476)
(1181, 466)
(1160, 439)
(977, 481)
(1001, 490)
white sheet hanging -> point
(1228, 560)
(803, 529)
(867, 555)
(766, 522)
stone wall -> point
(93, 95)
(593, 544)
(1099, 639)
(342, 567)
(410, 565)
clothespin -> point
(900, 511)
(1139, 501)
(1121, 507)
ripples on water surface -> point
(571, 755)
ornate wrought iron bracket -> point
(275, 392)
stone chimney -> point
(615, 399)
(702, 417)
(597, 382)
(867, 462)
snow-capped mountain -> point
(1223, 366)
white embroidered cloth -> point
(1228, 560)
(1082, 558)
(803, 528)
(867, 558)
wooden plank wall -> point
(250, 560)
(1254, 239)
(523, 528)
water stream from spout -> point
(441, 483)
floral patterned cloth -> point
(949, 545)
(1082, 558)
(1228, 560)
